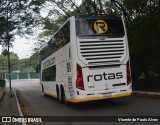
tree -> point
(60, 10)
(142, 19)
(16, 18)
(13, 57)
(34, 60)
(3, 62)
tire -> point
(42, 88)
(64, 100)
(57, 90)
(62, 95)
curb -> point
(147, 94)
(1, 96)
(18, 105)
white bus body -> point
(87, 59)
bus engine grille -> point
(102, 51)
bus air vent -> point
(102, 51)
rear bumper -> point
(98, 97)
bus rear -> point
(100, 58)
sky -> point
(23, 47)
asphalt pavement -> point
(40, 105)
(8, 107)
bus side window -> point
(54, 73)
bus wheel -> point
(57, 90)
(62, 95)
(42, 88)
(64, 100)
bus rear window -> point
(99, 27)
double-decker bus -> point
(87, 59)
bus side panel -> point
(108, 87)
(49, 85)
(71, 76)
(50, 88)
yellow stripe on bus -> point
(47, 93)
(91, 98)
(98, 98)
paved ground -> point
(41, 105)
(8, 107)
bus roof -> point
(98, 15)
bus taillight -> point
(129, 79)
(79, 81)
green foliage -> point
(5, 52)
(22, 65)
(17, 17)
(4, 61)
(50, 26)
(1, 90)
(34, 60)
(60, 10)
(14, 59)
(142, 19)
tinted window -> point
(61, 38)
(112, 27)
(49, 74)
